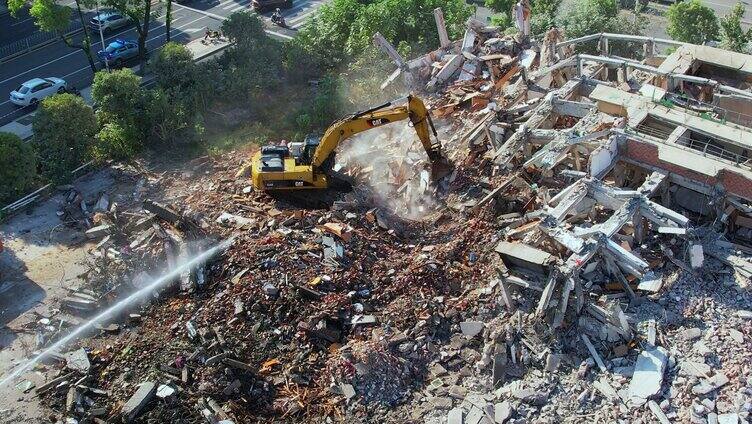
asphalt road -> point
(189, 22)
(723, 7)
(16, 27)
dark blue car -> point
(118, 52)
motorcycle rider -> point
(277, 18)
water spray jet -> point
(187, 264)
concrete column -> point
(648, 49)
(438, 14)
(603, 45)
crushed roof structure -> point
(597, 205)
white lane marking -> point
(302, 17)
(109, 38)
(20, 22)
(224, 4)
(313, 4)
(240, 5)
(87, 67)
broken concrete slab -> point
(138, 401)
(731, 418)
(524, 256)
(99, 231)
(78, 360)
(690, 334)
(708, 385)
(503, 411)
(348, 391)
(455, 416)
(694, 369)
(648, 375)
(736, 335)
(471, 329)
(593, 353)
(606, 389)
(658, 412)
(232, 220)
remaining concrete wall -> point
(740, 109)
(647, 153)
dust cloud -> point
(391, 163)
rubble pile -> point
(544, 280)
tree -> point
(64, 129)
(352, 23)
(118, 96)
(122, 114)
(733, 37)
(173, 122)
(173, 67)
(175, 105)
(52, 17)
(18, 167)
(544, 15)
(691, 21)
(593, 16)
(140, 13)
(501, 6)
(254, 62)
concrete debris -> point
(455, 416)
(78, 360)
(708, 385)
(658, 412)
(590, 253)
(647, 379)
(471, 328)
(138, 401)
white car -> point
(108, 21)
(34, 90)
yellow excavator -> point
(308, 164)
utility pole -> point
(101, 38)
(168, 20)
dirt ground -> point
(42, 260)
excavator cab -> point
(303, 151)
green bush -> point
(173, 122)
(593, 16)
(544, 15)
(177, 102)
(18, 168)
(253, 65)
(113, 142)
(64, 129)
(501, 20)
(121, 107)
(352, 24)
(173, 67)
(691, 21)
(733, 37)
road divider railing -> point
(37, 40)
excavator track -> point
(316, 198)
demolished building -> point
(543, 284)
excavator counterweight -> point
(308, 164)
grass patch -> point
(273, 119)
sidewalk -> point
(22, 126)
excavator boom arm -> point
(414, 110)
